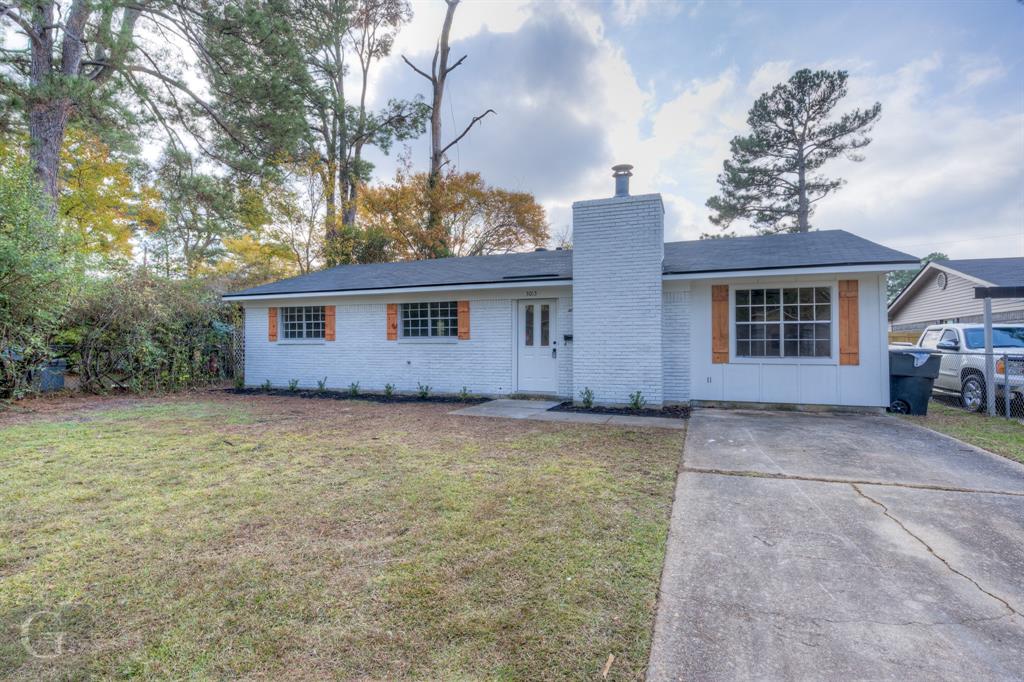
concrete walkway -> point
(507, 408)
(808, 546)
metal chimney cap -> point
(622, 173)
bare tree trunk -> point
(438, 75)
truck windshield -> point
(1002, 337)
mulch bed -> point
(672, 411)
(345, 395)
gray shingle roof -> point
(772, 252)
(535, 265)
(1001, 272)
(812, 249)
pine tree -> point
(772, 179)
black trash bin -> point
(912, 371)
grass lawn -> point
(225, 536)
(995, 434)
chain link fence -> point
(987, 383)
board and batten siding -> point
(928, 304)
(807, 381)
(484, 363)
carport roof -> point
(826, 248)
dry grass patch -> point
(224, 537)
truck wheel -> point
(899, 407)
(972, 393)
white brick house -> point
(795, 318)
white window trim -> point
(736, 359)
(302, 340)
(453, 338)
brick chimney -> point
(618, 249)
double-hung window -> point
(303, 322)
(784, 322)
(434, 319)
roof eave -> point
(823, 268)
(451, 286)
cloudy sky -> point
(580, 86)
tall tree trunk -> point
(47, 123)
(803, 207)
(436, 147)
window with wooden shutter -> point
(392, 321)
(329, 323)
(271, 324)
(849, 322)
(719, 323)
(464, 320)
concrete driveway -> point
(809, 546)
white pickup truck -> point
(962, 368)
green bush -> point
(37, 277)
(139, 332)
(587, 398)
(637, 401)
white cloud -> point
(940, 170)
(978, 70)
(631, 11)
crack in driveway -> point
(845, 481)
(931, 550)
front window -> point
(784, 322)
(303, 322)
(430, 319)
(1002, 337)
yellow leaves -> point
(100, 198)
(475, 218)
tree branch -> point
(452, 67)
(476, 119)
(417, 70)
(26, 26)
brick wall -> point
(618, 248)
(483, 363)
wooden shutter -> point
(328, 323)
(392, 321)
(719, 323)
(271, 324)
(464, 320)
(849, 323)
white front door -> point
(537, 347)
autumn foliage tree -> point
(474, 219)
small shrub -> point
(389, 390)
(587, 398)
(637, 401)
(423, 391)
(353, 389)
(321, 384)
(239, 382)
(464, 394)
(293, 385)
(267, 386)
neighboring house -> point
(792, 318)
(943, 292)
